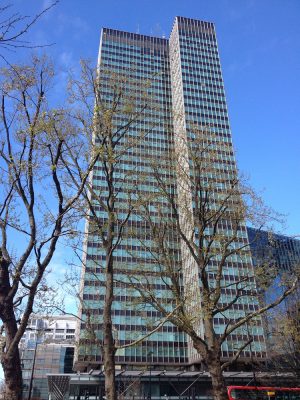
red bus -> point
(262, 393)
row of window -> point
(146, 53)
(191, 87)
(135, 37)
(196, 54)
(212, 68)
(186, 34)
(202, 83)
(124, 55)
(198, 45)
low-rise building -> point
(47, 347)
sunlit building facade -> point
(47, 347)
(186, 89)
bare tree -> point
(113, 108)
(36, 205)
(208, 215)
(14, 27)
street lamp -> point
(38, 334)
(32, 370)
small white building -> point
(56, 328)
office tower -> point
(281, 325)
(282, 255)
(47, 346)
(187, 90)
(146, 59)
(283, 251)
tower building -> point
(186, 90)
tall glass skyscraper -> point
(186, 90)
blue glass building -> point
(186, 89)
(282, 256)
(284, 251)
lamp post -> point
(38, 332)
(32, 370)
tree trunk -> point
(217, 379)
(10, 357)
(108, 340)
(109, 371)
(212, 358)
(13, 376)
(10, 360)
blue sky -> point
(259, 43)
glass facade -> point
(47, 347)
(47, 359)
(199, 103)
(284, 251)
(184, 86)
(145, 60)
(282, 256)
